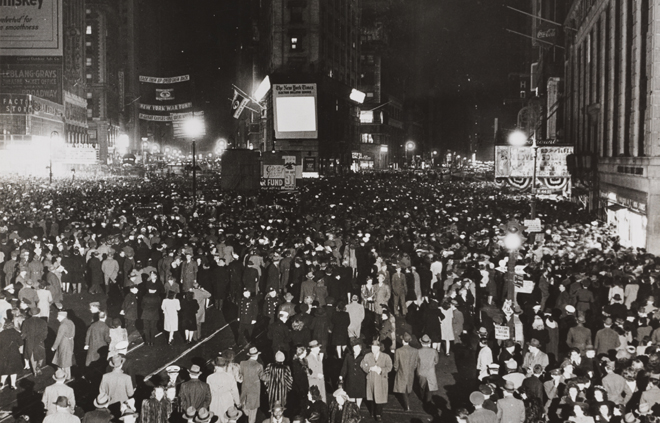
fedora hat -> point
(203, 415)
(59, 375)
(194, 370)
(644, 409)
(534, 343)
(117, 361)
(190, 413)
(277, 405)
(509, 386)
(253, 352)
(314, 344)
(128, 412)
(425, 340)
(101, 401)
(233, 413)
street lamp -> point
(193, 127)
(518, 138)
(53, 136)
(513, 240)
(410, 146)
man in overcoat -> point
(406, 359)
(427, 360)
(194, 392)
(377, 366)
(63, 345)
(252, 372)
(98, 336)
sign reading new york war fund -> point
(30, 27)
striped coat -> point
(278, 380)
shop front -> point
(626, 213)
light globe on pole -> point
(193, 127)
(517, 138)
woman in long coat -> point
(171, 307)
(447, 325)
(224, 391)
(377, 365)
(34, 331)
(300, 373)
(10, 351)
(353, 378)
(432, 324)
(189, 307)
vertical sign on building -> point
(552, 107)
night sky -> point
(462, 58)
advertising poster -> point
(295, 111)
(38, 76)
(31, 28)
(279, 173)
(161, 97)
(518, 162)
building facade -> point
(612, 113)
(313, 42)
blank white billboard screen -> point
(296, 114)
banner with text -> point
(518, 162)
(160, 97)
(31, 28)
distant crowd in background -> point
(362, 284)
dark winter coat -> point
(10, 342)
(355, 380)
(340, 322)
(278, 333)
(151, 307)
(34, 331)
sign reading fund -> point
(31, 27)
(295, 111)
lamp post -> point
(55, 135)
(194, 128)
(513, 240)
(518, 138)
(410, 146)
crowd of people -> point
(362, 283)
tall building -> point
(312, 44)
(612, 114)
(105, 76)
(382, 117)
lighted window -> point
(88, 43)
(294, 43)
(90, 113)
(366, 116)
(88, 61)
(89, 76)
(89, 95)
(89, 30)
(367, 138)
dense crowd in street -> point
(361, 283)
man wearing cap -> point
(101, 414)
(247, 317)
(579, 336)
(480, 414)
(606, 339)
(189, 271)
(584, 297)
(117, 385)
(194, 393)
(252, 372)
(57, 390)
(63, 345)
(63, 412)
(98, 337)
(406, 360)
(129, 308)
(509, 408)
(513, 374)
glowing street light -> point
(193, 127)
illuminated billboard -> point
(31, 28)
(295, 111)
(518, 162)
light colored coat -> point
(377, 383)
(63, 344)
(224, 393)
(356, 314)
(406, 359)
(251, 372)
(427, 360)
